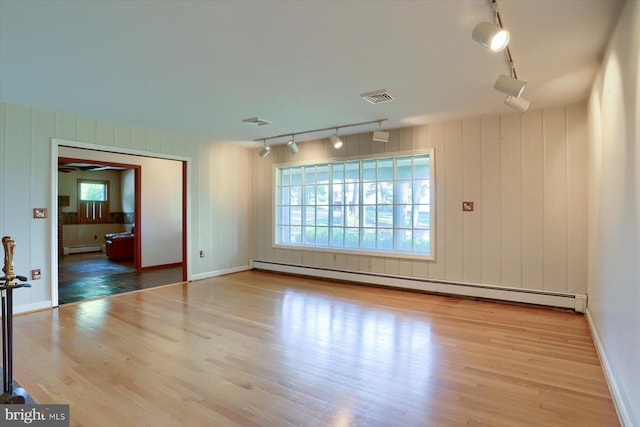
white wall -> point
(161, 200)
(127, 192)
(526, 174)
(614, 206)
(219, 200)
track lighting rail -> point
(336, 128)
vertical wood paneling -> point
(511, 189)
(154, 141)
(3, 157)
(182, 146)
(123, 136)
(394, 141)
(491, 201)
(168, 143)
(555, 199)
(138, 139)
(511, 166)
(453, 201)
(532, 201)
(577, 198)
(87, 130)
(472, 191)
(106, 133)
(66, 126)
(17, 180)
(437, 269)
(405, 139)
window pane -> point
(310, 236)
(353, 215)
(385, 192)
(296, 195)
(338, 194)
(285, 176)
(323, 174)
(283, 236)
(368, 238)
(369, 218)
(421, 168)
(403, 170)
(385, 239)
(322, 217)
(352, 194)
(322, 236)
(296, 215)
(296, 235)
(337, 215)
(369, 193)
(421, 218)
(369, 170)
(309, 194)
(322, 194)
(421, 191)
(337, 237)
(385, 216)
(403, 216)
(93, 191)
(283, 217)
(385, 170)
(309, 175)
(296, 176)
(284, 195)
(352, 238)
(404, 241)
(309, 215)
(421, 241)
(352, 171)
(337, 171)
(403, 192)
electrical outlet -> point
(35, 274)
(201, 254)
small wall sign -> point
(467, 206)
(39, 213)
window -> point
(379, 205)
(93, 202)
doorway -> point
(84, 266)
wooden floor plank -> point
(263, 349)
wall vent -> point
(378, 96)
(256, 121)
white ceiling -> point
(200, 67)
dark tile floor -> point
(83, 277)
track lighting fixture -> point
(380, 135)
(491, 35)
(518, 104)
(266, 150)
(335, 140)
(293, 147)
(496, 38)
(510, 85)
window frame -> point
(360, 251)
(103, 206)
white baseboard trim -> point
(577, 302)
(82, 249)
(36, 306)
(216, 273)
(618, 401)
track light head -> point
(518, 104)
(266, 150)
(336, 141)
(380, 136)
(510, 85)
(491, 36)
(293, 147)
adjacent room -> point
(321, 213)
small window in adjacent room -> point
(93, 202)
(375, 205)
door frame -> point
(53, 205)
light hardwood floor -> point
(263, 349)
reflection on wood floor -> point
(262, 349)
(92, 275)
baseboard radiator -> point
(577, 302)
(82, 249)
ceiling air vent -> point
(256, 121)
(378, 96)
